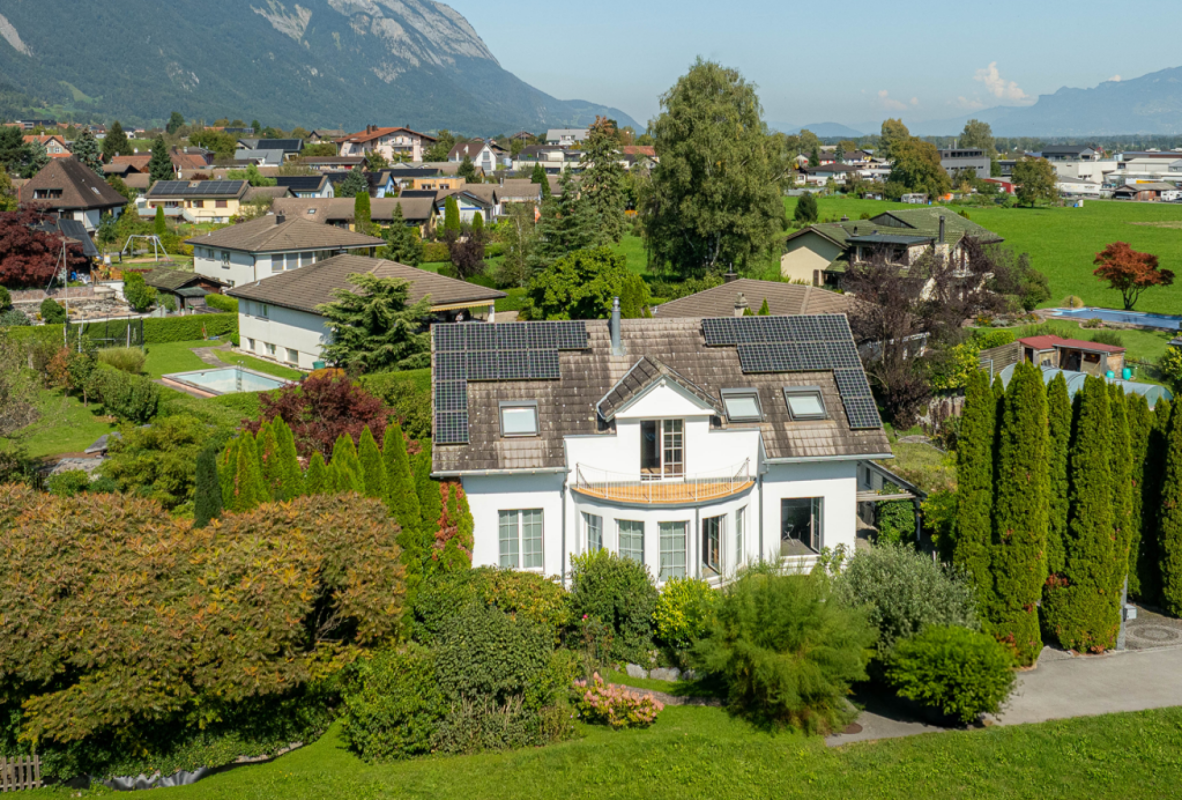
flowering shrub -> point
(602, 703)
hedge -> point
(435, 252)
(157, 330)
(222, 303)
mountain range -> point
(315, 63)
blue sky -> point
(852, 63)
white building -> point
(270, 246)
(566, 137)
(278, 318)
(665, 440)
(393, 144)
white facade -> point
(238, 268)
(281, 334)
(536, 520)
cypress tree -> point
(974, 479)
(349, 476)
(478, 224)
(269, 461)
(1140, 425)
(228, 473)
(207, 495)
(764, 310)
(401, 493)
(161, 225)
(1122, 494)
(362, 213)
(1079, 608)
(290, 483)
(316, 481)
(451, 216)
(1149, 568)
(1059, 412)
(373, 471)
(250, 490)
(456, 532)
(1020, 515)
(539, 174)
(430, 501)
(1170, 525)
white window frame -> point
(521, 555)
(805, 391)
(270, 348)
(631, 532)
(665, 468)
(517, 406)
(740, 530)
(593, 528)
(293, 356)
(669, 568)
(718, 569)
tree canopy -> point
(1036, 180)
(978, 134)
(917, 168)
(160, 165)
(582, 285)
(1130, 272)
(375, 328)
(893, 133)
(115, 143)
(603, 180)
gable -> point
(665, 398)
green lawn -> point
(259, 365)
(1062, 242)
(165, 359)
(704, 753)
(66, 426)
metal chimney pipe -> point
(614, 325)
(942, 230)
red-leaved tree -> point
(29, 258)
(1130, 272)
(322, 408)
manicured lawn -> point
(1062, 242)
(66, 426)
(705, 753)
(165, 359)
(259, 365)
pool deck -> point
(1143, 320)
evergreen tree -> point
(362, 214)
(401, 493)
(815, 157)
(566, 225)
(454, 540)
(1157, 448)
(228, 473)
(1170, 524)
(467, 170)
(37, 159)
(603, 181)
(1122, 494)
(161, 227)
(430, 502)
(451, 216)
(86, 150)
(974, 478)
(160, 166)
(478, 225)
(1140, 426)
(546, 191)
(269, 462)
(348, 465)
(207, 493)
(250, 491)
(115, 143)
(353, 184)
(375, 328)
(402, 241)
(806, 209)
(1059, 410)
(764, 309)
(539, 174)
(1080, 608)
(1020, 515)
(373, 471)
(176, 121)
(316, 481)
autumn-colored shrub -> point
(615, 706)
(320, 409)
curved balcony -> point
(684, 490)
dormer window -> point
(519, 419)
(805, 403)
(742, 405)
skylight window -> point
(805, 403)
(742, 405)
(519, 419)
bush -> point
(1108, 337)
(5, 299)
(68, 484)
(436, 252)
(322, 408)
(125, 359)
(614, 706)
(895, 520)
(955, 671)
(138, 294)
(51, 312)
(786, 649)
(393, 705)
(1170, 365)
(904, 591)
(683, 612)
(159, 461)
(222, 303)
(13, 319)
(129, 397)
(1071, 301)
(619, 592)
(409, 395)
(519, 594)
(167, 302)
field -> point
(1062, 242)
(705, 753)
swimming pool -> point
(227, 380)
(1163, 321)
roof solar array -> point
(801, 344)
(509, 352)
(197, 187)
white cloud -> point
(1114, 79)
(888, 102)
(967, 104)
(999, 87)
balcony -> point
(684, 490)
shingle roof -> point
(286, 145)
(918, 222)
(783, 299)
(377, 133)
(273, 192)
(340, 209)
(646, 373)
(307, 288)
(269, 235)
(519, 189)
(80, 187)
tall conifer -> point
(290, 484)
(269, 460)
(1059, 413)
(1155, 472)
(974, 478)
(430, 500)
(1140, 426)
(1170, 525)
(1122, 494)
(250, 490)
(228, 473)
(348, 466)
(1020, 515)
(373, 471)
(316, 481)
(207, 494)
(401, 494)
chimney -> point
(731, 276)
(741, 305)
(614, 326)
(280, 219)
(941, 230)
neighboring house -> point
(422, 180)
(55, 146)
(188, 289)
(443, 167)
(393, 144)
(278, 318)
(1007, 186)
(419, 212)
(197, 201)
(1074, 187)
(819, 254)
(693, 446)
(472, 199)
(325, 135)
(566, 137)
(820, 176)
(962, 159)
(262, 158)
(67, 188)
(1069, 152)
(1149, 192)
(289, 147)
(307, 186)
(270, 246)
(485, 155)
(740, 295)
(914, 199)
(553, 159)
(381, 184)
(519, 190)
(333, 163)
(271, 193)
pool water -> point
(1162, 321)
(229, 380)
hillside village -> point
(404, 446)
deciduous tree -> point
(978, 134)
(1036, 181)
(1130, 272)
(893, 132)
(582, 286)
(917, 168)
(175, 122)
(319, 409)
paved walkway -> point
(209, 354)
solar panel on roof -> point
(862, 413)
(451, 428)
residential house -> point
(188, 289)
(426, 179)
(962, 158)
(261, 158)
(487, 157)
(693, 446)
(333, 163)
(738, 296)
(1070, 152)
(268, 193)
(519, 190)
(1076, 187)
(31, 124)
(290, 148)
(67, 188)
(472, 199)
(820, 176)
(272, 245)
(381, 184)
(819, 254)
(1148, 192)
(553, 159)
(914, 199)
(417, 211)
(196, 201)
(566, 137)
(306, 186)
(393, 144)
(326, 135)
(54, 145)
(279, 318)
(525, 137)
(444, 167)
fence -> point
(20, 773)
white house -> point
(68, 189)
(278, 317)
(566, 137)
(694, 446)
(393, 144)
(307, 186)
(270, 246)
(485, 155)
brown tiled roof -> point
(783, 299)
(340, 209)
(269, 235)
(138, 163)
(81, 187)
(307, 288)
(377, 133)
(640, 150)
(140, 181)
(519, 189)
(567, 407)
